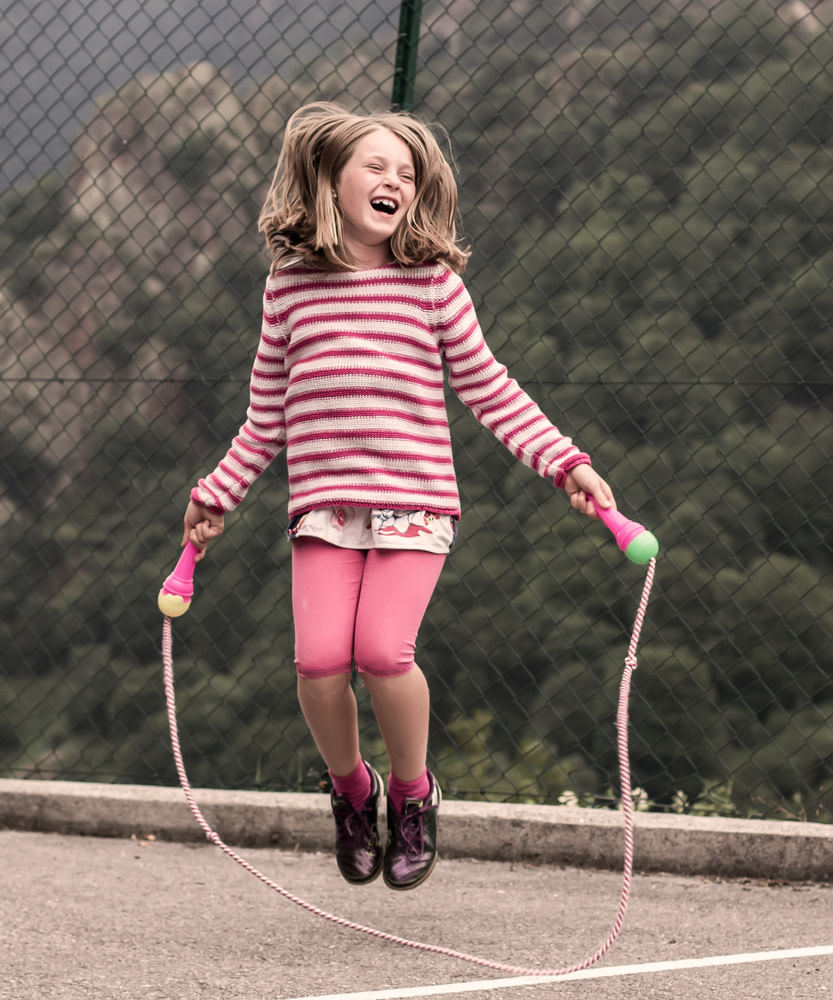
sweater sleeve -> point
(495, 399)
(263, 435)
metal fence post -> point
(406, 53)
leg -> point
(329, 707)
(396, 590)
(402, 708)
(384, 649)
(326, 582)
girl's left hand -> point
(201, 525)
(583, 485)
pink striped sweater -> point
(348, 378)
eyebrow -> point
(381, 156)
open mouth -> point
(384, 205)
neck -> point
(367, 258)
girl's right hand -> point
(586, 489)
(201, 526)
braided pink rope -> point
(627, 805)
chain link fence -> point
(648, 189)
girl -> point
(363, 306)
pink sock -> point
(355, 786)
(399, 790)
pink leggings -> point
(357, 604)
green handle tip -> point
(643, 548)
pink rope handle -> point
(627, 806)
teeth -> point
(384, 205)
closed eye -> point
(405, 176)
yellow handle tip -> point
(172, 605)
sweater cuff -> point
(571, 463)
(196, 497)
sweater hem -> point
(295, 510)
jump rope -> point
(639, 545)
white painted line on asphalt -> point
(619, 970)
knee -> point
(322, 653)
(386, 669)
(379, 658)
(314, 672)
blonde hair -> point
(301, 217)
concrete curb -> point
(563, 835)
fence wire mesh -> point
(648, 190)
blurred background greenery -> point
(648, 190)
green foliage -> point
(29, 213)
(195, 160)
(653, 252)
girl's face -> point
(375, 189)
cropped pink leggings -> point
(357, 605)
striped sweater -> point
(348, 378)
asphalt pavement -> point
(113, 892)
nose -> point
(391, 177)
